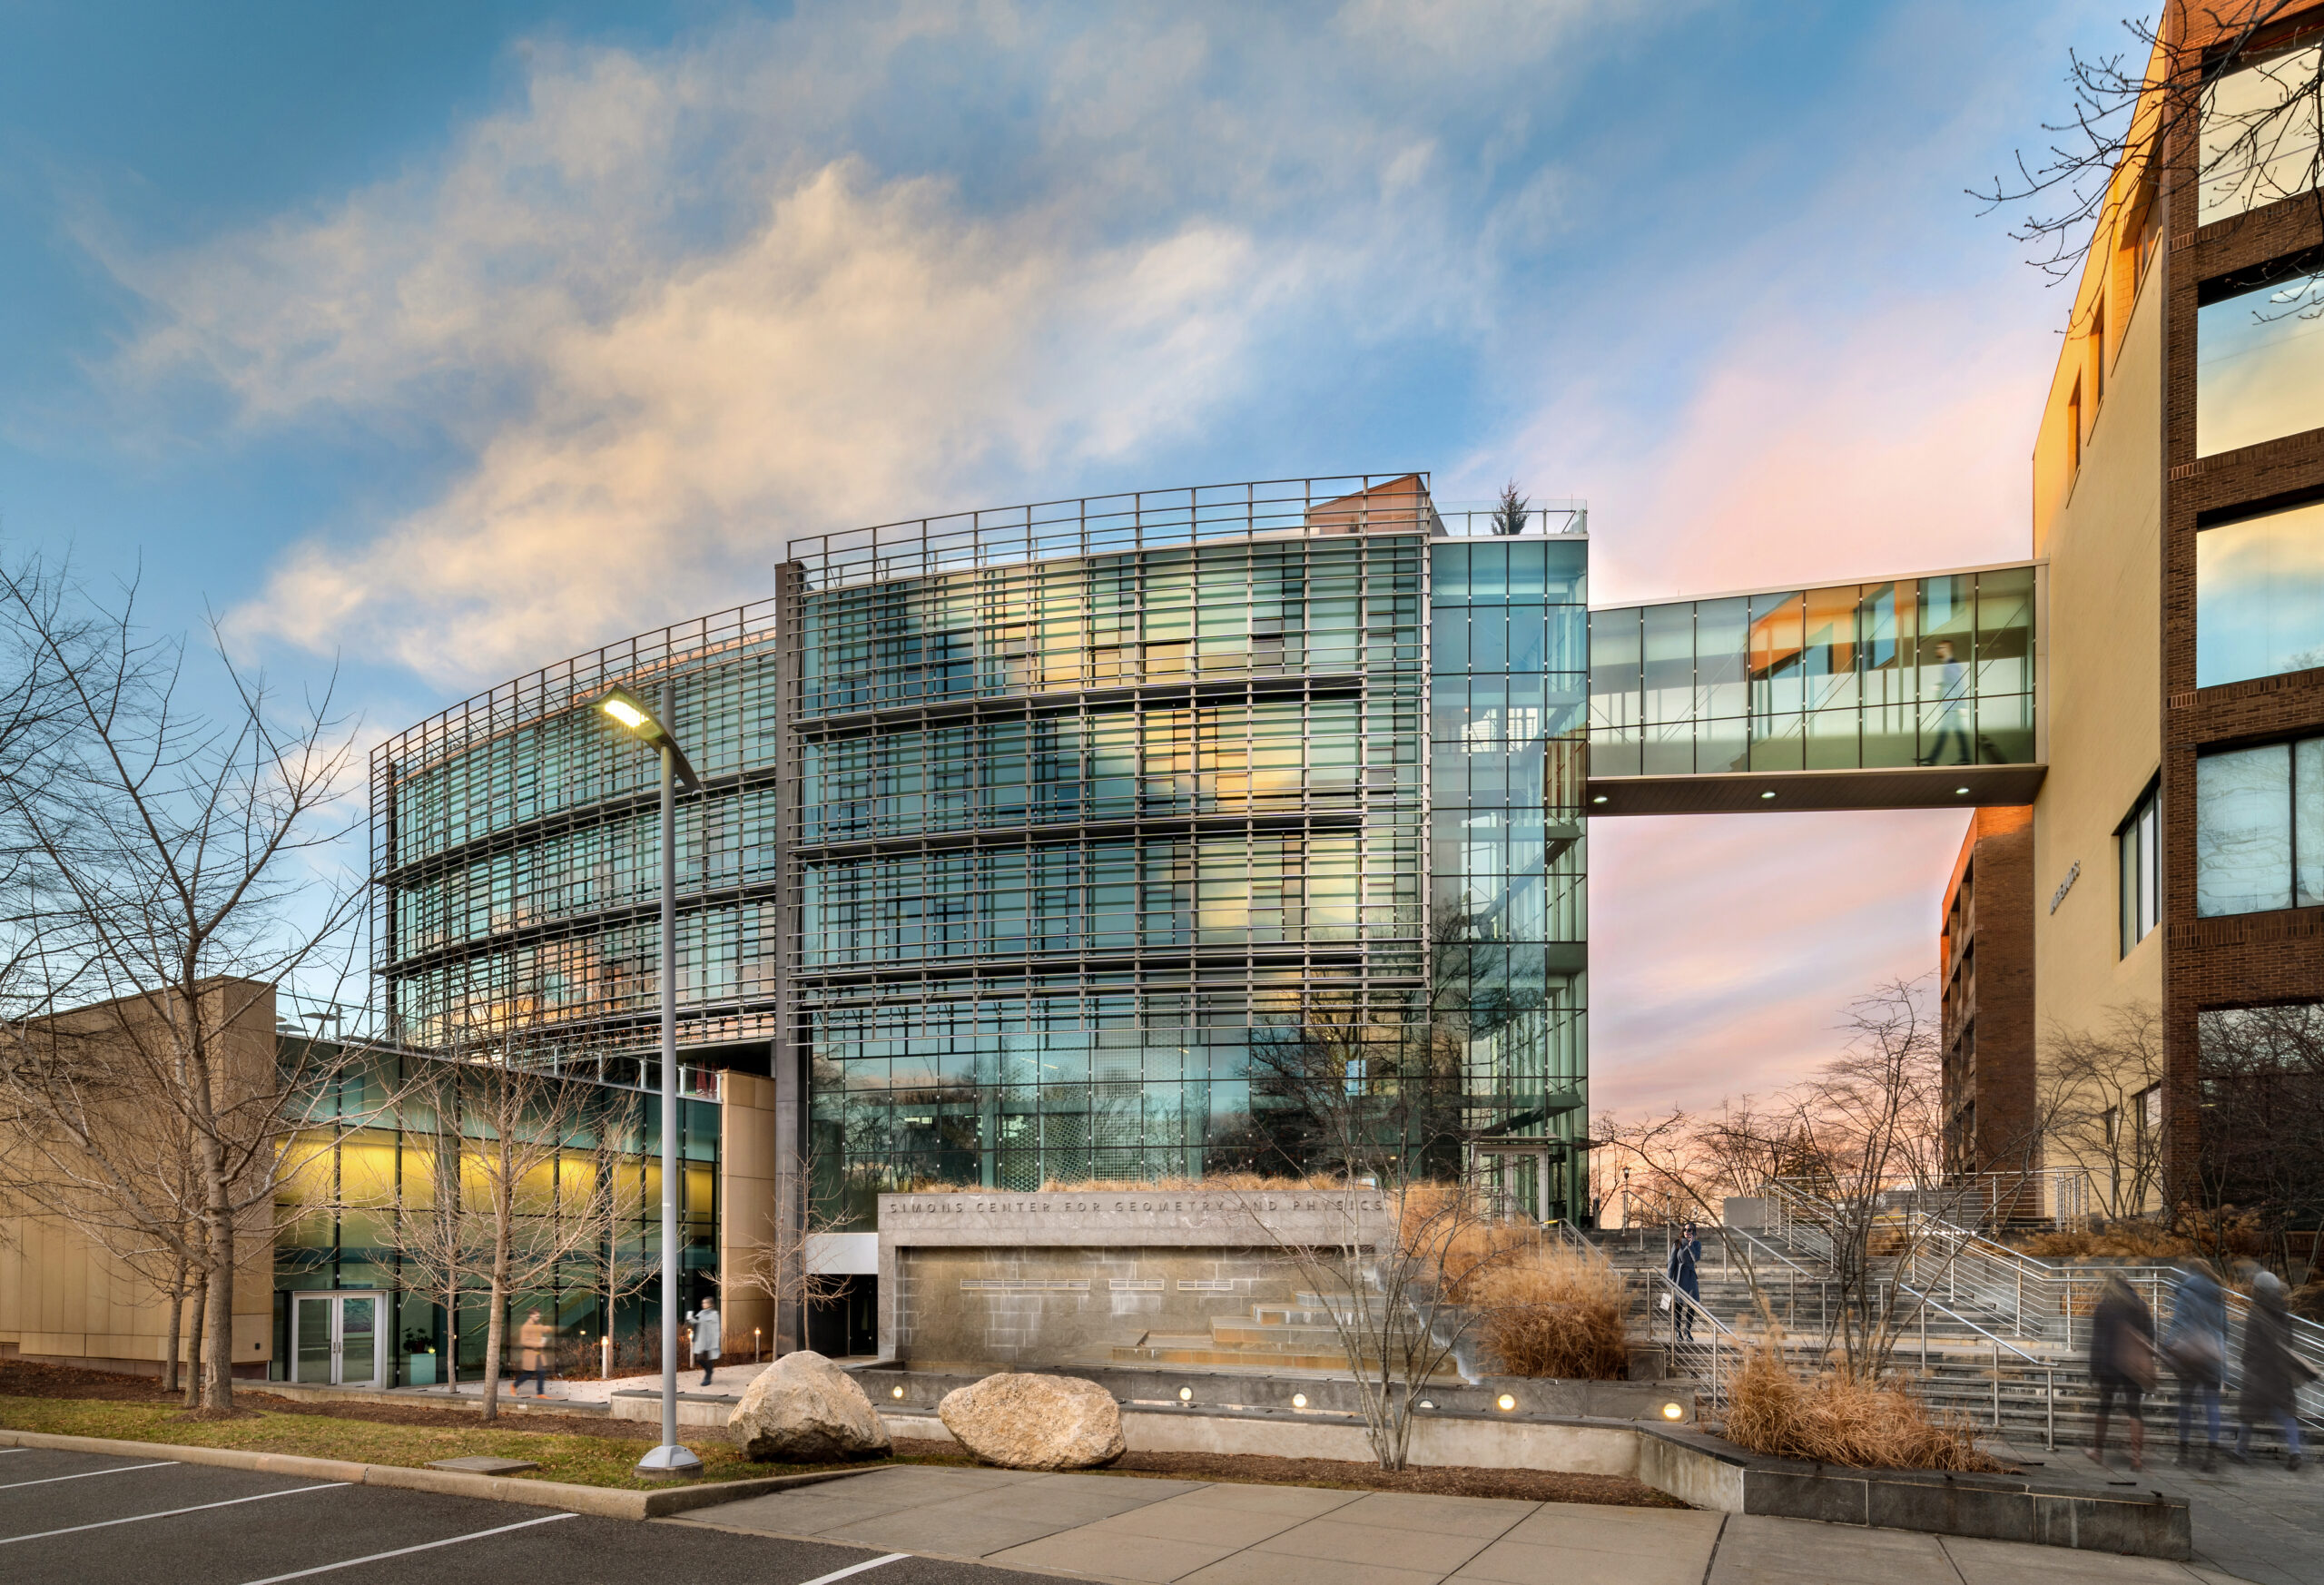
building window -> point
(2260, 596)
(2259, 134)
(2259, 355)
(2141, 868)
(2260, 828)
(2074, 431)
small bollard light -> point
(1672, 1412)
(1186, 1395)
(1299, 1400)
(1506, 1401)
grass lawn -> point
(585, 1461)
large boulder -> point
(804, 1410)
(1036, 1422)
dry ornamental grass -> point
(1770, 1411)
(1555, 1311)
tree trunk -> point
(177, 1327)
(201, 1297)
(218, 1374)
(493, 1324)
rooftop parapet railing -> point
(1113, 525)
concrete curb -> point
(598, 1501)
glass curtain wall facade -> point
(1024, 835)
(1509, 903)
(1933, 671)
(371, 1160)
(1079, 832)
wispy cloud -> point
(675, 307)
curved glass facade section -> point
(1932, 671)
(516, 846)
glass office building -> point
(1029, 840)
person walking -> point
(2272, 1373)
(2195, 1347)
(704, 1323)
(533, 1340)
(1685, 1255)
(1953, 708)
(2122, 1361)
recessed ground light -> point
(1672, 1412)
(1767, 795)
(1960, 792)
(1299, 1400)
(1506, 1402)
(895, 1392)
(1186, 1395)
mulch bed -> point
(24, 1379)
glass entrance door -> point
(335, 1339)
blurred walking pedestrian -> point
(707, 1340)
(2272, 1373)
(2195, 1347)
(1685, 1255)
(533, 1339)
(2121, 1363)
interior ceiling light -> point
(1599, 799)
(1960, 792)
(1767, 795)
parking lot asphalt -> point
(83, 1519)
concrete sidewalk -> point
(1158, 1532)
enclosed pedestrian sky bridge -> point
(1914, 693)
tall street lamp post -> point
(671, 1458)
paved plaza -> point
(1150, 1532)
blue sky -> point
(437, 341)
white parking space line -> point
(86, 1474)
(449, 1541)
(855, 1569)
(10, 1541)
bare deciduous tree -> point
(2218, 91)
(167, 870)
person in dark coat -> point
(2122, 1363)
(2195, 1347)
(1685, 1255)
(2272, 1373)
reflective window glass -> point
(2260, 596)
(2259, 362)
(2259, 135)
(2243, 830)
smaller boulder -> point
(1036, 1422)
(804, 1410)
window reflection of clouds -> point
(2258, 365)
(2260, 596)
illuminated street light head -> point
(629, 711)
